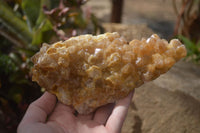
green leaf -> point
(28, 52)
(42, 16)
(15, 94)
(54, 4)
(189, 44)
(79, 20)
(17, 97)
(193, 49)
(198, 45)
(7, 66)
(14, 24)
(96, 24)
(31, 10)
(39, 33)
(16, 58)
(43, 25)
(5, 45)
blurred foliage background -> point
(24, 26)
(187, 26)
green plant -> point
(24, 26)
(193, 49)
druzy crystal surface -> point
(89, 71)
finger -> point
(64, 108)
(86, 116)
(116, 119)
(102, 113)
(39, 109)
(62, 113)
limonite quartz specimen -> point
(89, 71)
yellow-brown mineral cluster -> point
(89, 71)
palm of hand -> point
(46, 115)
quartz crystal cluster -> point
(89, 71)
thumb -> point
(40, 109)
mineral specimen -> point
(89, 71)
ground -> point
(170, 103)
(157, 14)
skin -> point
(46, 115)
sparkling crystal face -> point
(89, 71)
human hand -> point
(46, 115)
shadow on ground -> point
(158, 110)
